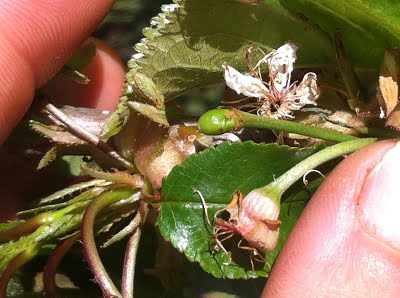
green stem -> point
(134, 181)
(223, 120)
(24, 257)
(378, 132)
(89, 244)
(34, 223)
(276, 188)
(251, 120)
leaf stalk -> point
(276, 188)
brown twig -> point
(355, 96)
(87, 136)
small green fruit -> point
(217, 122)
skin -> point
(37, 38)
(346, 242)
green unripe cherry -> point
(217, 121)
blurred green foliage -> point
(123, 26)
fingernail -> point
(379, 200)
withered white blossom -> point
(279, 98)
(244, 84)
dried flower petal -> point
(244, 84)
(388, 88)
(280, 65)
(308, 91)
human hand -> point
(332, 251)
(347, 241)
(37, 38)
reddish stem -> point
(49, 273)
(89, 245)
(128, 273)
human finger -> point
(37, 38)
(106, 72)
(347, 241)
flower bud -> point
(255, 218)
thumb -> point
(347, 241)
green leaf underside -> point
(368, 26)
(217, 173)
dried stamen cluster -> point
(279, 97)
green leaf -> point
(368, 26)
(190, 40)
(55, 134)
(75, 75)
(217, 173)
(154, 114)
(72, 190)
(145, 88)
(117, 120)
(187, 43)
(48, 158)
(82, 56)
(86, 195)
(74, 164)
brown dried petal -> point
(388, 92)
(394, 119)
(308, 89)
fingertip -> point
(329, 252)
(106, 72)
(16, 90)
(45, 33)
(37, 38)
